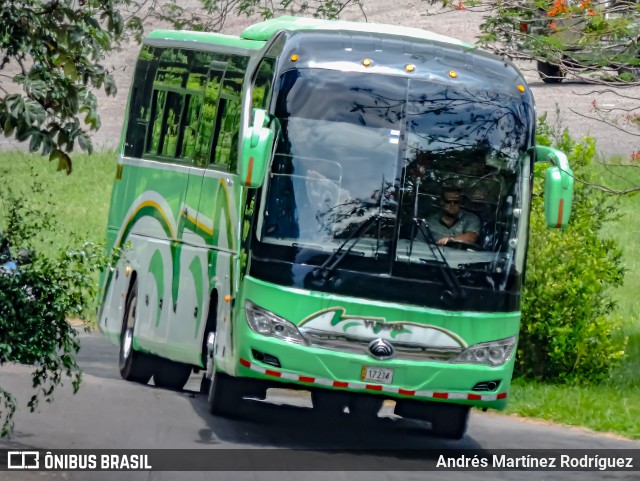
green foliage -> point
(212, 14)
(56, 48)
(569, 331)
(37, 298)
(574, 34)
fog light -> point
(266, 358)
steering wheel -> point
(461, 245)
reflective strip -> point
(560, 213)
(372, 387)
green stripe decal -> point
(222, 199)
(176, 249)
(145, 209)
(156, 268)
(196, 271)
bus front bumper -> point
(313, 367)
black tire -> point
(330, 403)
(205, 384)
(452, 424)
(550, 73)
(224, 397)
(365, 406)
(171, 375)
(447, 420)
(133, 365)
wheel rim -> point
(211, 340)
(127, 342)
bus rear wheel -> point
(133, 365)
(171, 375)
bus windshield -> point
(387, 153)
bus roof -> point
(265, 30)
(206, 37)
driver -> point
(453, 223)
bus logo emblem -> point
(381, 349)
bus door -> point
(210, 199)
(220, 199)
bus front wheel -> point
(133, 365)
(453, 424)
(365, 406)
(331, 403)
(223, 395)
(447, 420)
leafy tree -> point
(574, 35)
(212, 14)
(50, 54)
(569, 331)
(593, 40)
(37, 297)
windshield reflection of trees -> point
(469, 140)
(443, 137)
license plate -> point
(380, 375)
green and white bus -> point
(332, 206)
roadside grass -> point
(603, 408)
(627, 232)
(81, 203)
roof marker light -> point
(366, 62)
(409, 67)
(453, 74)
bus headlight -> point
(493, 353)
(267, 323)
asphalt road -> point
(109, 413)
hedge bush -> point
(570, 332)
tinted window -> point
(186, 105)
(228, 114)
(264, 80)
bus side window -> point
(141, 92)
(167, 104)
(209, 113)
(195, 89)
(261, 94)
(228, 116)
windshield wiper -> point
(446, 270)
(334, 259)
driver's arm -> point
(471, 230)
(469, 237)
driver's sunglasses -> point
(452, 202)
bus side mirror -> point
(257, 145)
(558, 186)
